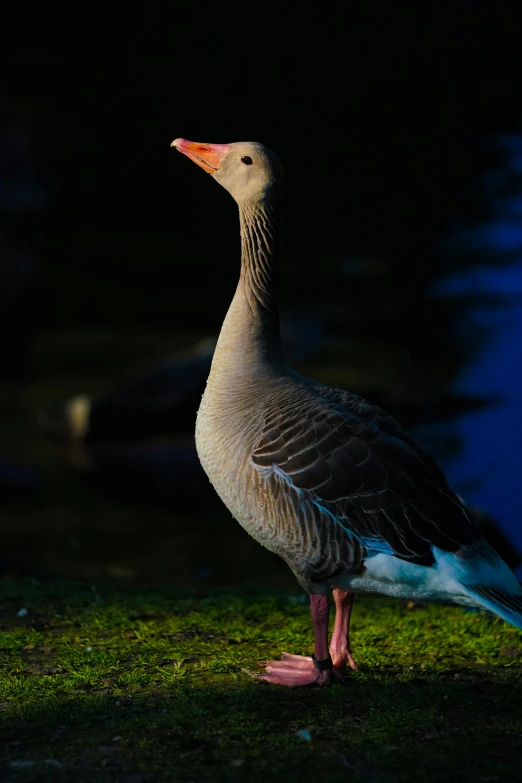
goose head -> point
(250, 172)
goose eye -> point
(247, 160)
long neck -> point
(250, 339)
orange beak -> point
(208, 156)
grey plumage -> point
(320, 476)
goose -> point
(318, 475)
(163, 400)
(160, 401)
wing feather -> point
(355, 464)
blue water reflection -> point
(487, 471)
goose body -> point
(290, 492)
(319, 476)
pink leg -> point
(340, 645)
(294, 670)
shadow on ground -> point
(140, 686)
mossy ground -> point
(108, 684)
(130, 685)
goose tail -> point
(506, 605)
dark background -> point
(388, 125)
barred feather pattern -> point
(261, 230)
(317, 475)
(360, 467)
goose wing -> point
(358, 466)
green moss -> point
(104, 684)
(438, 695)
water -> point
(487, 471)
(488, 468)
